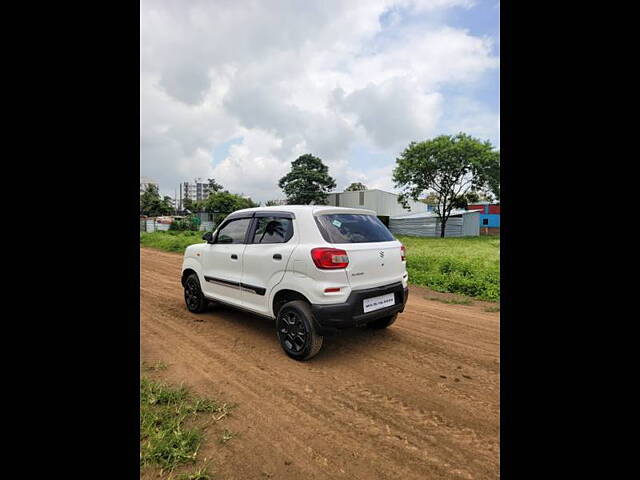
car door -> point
(272, 240)
(222, 263)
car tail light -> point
(331, 289)
(329, 258)
(403, 253)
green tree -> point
(152, 205)
(271, 203)
(430, 199)
(188, 204)
(355, 186)
(463, 201)
(213, 186)
(166, 206)
(308, 182)
(222, 204)
(449, 165)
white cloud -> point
(296, 77)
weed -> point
(157, 366)
(227, 435)
(492, 309)
(167, 437)
(201, 474)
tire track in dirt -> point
(372, 404)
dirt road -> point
(419, 400)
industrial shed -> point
(385, 204)
(461, 223)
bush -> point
(192, 223)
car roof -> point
(308, 208)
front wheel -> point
(382, 322)
(193, 296)
(296, 332)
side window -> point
(273, 230)
(234, 231)
(485, 221)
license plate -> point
(376, 303)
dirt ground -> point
(419, 400)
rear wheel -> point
(296, 332)
(193, 296)
(382, 322)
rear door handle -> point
(234, 256)
(277, 256)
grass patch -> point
(469, 265)
(452, 301)
(171, 240)
(169, 433)
(492, 309)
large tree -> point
(449, 165)
(213, 185)
(222, 204)
(308, 182)
(152, 205)
(355, 186)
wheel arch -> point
(286, 295)
(185, 273)
(188, 267)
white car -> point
(314, 269)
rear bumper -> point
(332, 317)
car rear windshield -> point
(350, 228)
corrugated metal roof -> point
(432, 214)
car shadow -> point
(342, 346)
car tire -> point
(193, 296)
(296, 331)
(382, 322)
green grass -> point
(170, 426)
(170, 241)
(468, 265)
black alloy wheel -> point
(293, 333)
(193, 297)
(296, 331)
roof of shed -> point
(432, 214)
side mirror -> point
(208, 236)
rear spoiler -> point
(343, 210)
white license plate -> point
(376, 303)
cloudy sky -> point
(237, 90)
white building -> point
(385, 204)
(195, 191)
(144, 182)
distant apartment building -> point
(144, 182)
(195, 191)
